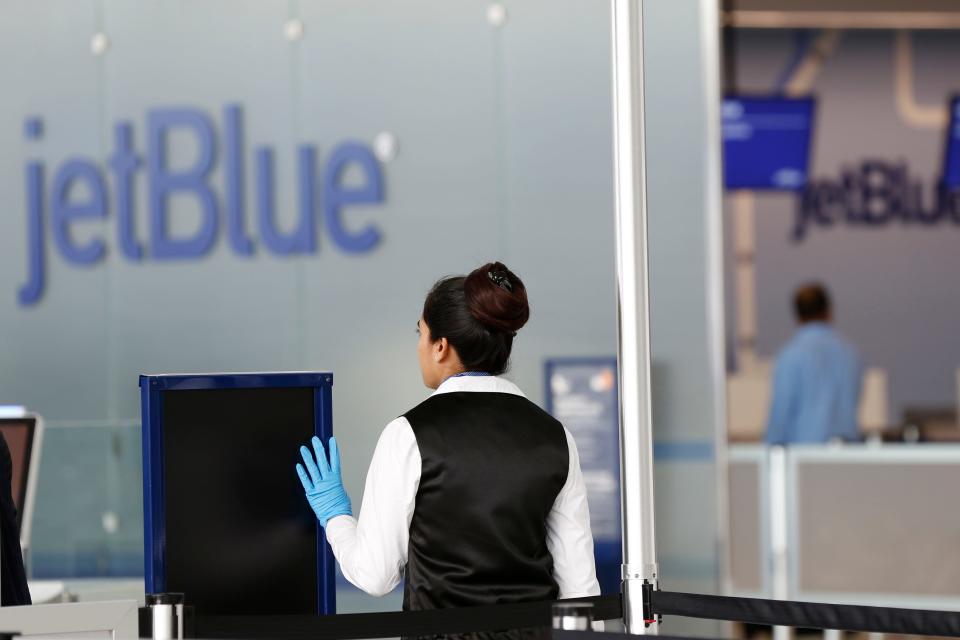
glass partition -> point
(88, 521)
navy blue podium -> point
(225, 519)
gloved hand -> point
(324, 487)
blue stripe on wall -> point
(683, 451)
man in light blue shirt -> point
(817, 379)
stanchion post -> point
(779, 535)
(636, 435)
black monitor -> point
(19, 433)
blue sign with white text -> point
(766, 142)
(81, 191)
(951, 164)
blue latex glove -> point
(323, 485)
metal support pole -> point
(636, 435)
(779, 533)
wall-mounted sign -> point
(766, 142)
(582, 394)
(79, 190)
(951, 160)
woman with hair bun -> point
(476, 494)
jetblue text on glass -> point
(876, 194)
(79, 191)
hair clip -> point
(501, 281)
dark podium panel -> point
(226, 522)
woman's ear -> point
(441, 348)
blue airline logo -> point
(879, 193)
(78, 193)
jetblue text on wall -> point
(878, 193)
(55, 208)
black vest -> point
(492, 466)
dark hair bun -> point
(497, 298)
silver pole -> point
(636, 436)
(779, 536)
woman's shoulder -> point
(397, 432)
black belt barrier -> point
(844, 617)
(436, 622)
(558, 634)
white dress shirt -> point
(372, 549)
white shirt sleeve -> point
(569, 538)
(372, 549)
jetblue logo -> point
(877, 194)
(78, 192)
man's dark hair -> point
(812, 302)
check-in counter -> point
(749, 393)
(864, 524)
(749, 521)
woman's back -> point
(492, 466)
(475, 496)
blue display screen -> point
(951, 163)
(766, 142)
